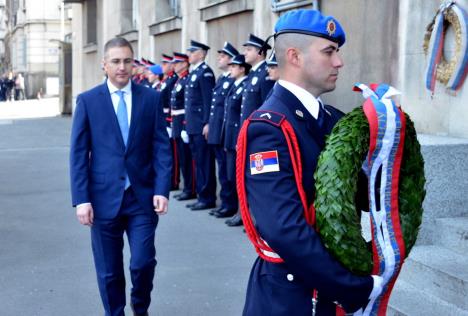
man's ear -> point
(293, 56)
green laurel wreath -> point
(338, 221)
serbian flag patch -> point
(264, 162)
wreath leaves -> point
(336, 186)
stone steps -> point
(439, 272)
(409, 300)
(453, 234)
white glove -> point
(185, 137)
(169, 131)
(376, 291)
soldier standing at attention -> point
(294, 273)
(198, 92)
(179, 133)
(167, 83)
(215, 134)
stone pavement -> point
(46, 265)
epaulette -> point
(267, 116)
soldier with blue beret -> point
(293, 263)
(165, 87)
(198, 94)
(227, 194)
(184, 160)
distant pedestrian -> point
(19, 87)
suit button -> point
(290, 277)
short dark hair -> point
(117, 42)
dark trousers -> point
(186, 165)
(228, 192)
(175, 177)
(107, 242)
(204, 169)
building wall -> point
(34, 43)
(384, 44)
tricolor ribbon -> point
(436, 45)
(382, 166)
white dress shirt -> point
(311, 103)
(116, 98)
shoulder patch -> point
(208, 74)
(267, 116)
(263, 162)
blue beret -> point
(156, 69)
(311, 22)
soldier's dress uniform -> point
(258, 83)
(166, 89)
(184, 155)
(275, 205)
(231, 122)
(198, 93)
(227, 192)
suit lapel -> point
(110, 112)
(136, 112)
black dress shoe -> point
(175, 196)
(185, 196)
(136, 314)
(225, 213)
(190, 205)
(215, 210)
(202, 206)
(236, 220)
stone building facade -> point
(384, 44)
(34, 29)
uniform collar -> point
(197, 65)
(127, 89)
(257, 65)
(311, 103)
(238, 81)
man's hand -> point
(160, 204)
(85, 214)
(206, 129)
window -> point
(91, 23)
(282, 5)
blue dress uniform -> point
(184, 154)
(166, 88)
(285, 289)
(232, 126)
(275, 205)
(258, 83)
(198, 92)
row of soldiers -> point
(204, 115)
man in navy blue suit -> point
(120, 169)
(293, 263)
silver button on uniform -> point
(290, 277)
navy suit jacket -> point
(279, 218)
(99, 158)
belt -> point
(177, 112)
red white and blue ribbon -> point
(382, 166)
(436, 45)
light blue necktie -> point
(122, 117)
